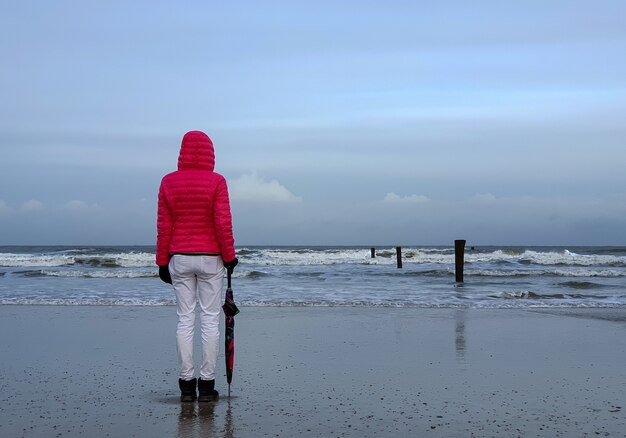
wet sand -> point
(362, 372)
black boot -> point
(187, 390)
(206, 391)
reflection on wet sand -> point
(459, 332)
(228, 426)
(196, 420)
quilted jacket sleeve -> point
(223, 221)
(164, 229)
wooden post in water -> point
(399, 256)
(459, 258)
(373, 253)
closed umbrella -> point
(230, 310)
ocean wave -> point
(301, 257)
(250, 274)
(9, 260)
(569, 258)
(529, 295)
(104, 262)
(253, 274)
(63, 258)
(550, 258)
(288, 257)
(281, 256)
(581, 284)
(507, 300)
(604, 273)
(88, 301)
(428, 273)
(326, 277)
(67, 273)
(117, 273)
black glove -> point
(230, 266)
(164, 274)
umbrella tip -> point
(229, 390)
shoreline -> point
(319, 371)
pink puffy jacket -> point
(194, 210)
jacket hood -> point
(196, 152)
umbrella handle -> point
(228, 277)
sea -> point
(494, 277)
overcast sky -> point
(334, 122)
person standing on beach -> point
(195, 246)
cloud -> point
(32, 205)
(81, 206)
(484, 198)
(4, 208)
(392, 198)
(253, 188)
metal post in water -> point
(373, 250)
(459, 259)
(399, 256)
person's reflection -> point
(186, 419)
(206, 415)
(196, 419)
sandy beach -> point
(111, 371)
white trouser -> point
(197, 279)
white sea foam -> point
(29, 260)
(566, 257)
(297, 257)
(88, 301)
(133, 260)
(125, 259)
(572, 272)
(294, 257)
(100, 273)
